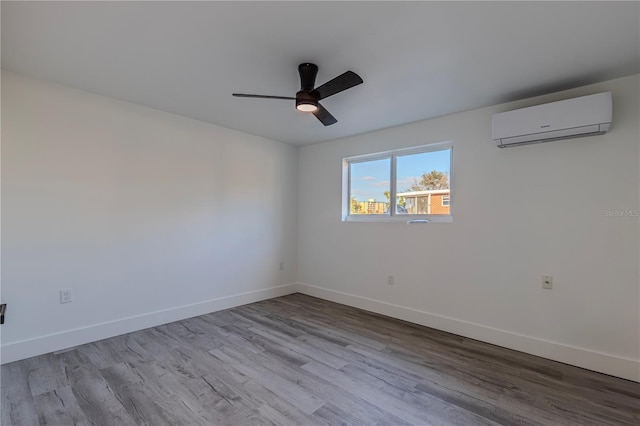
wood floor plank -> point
(360, 408)
(300, 360)
(427, 411)
(351, 337)
(241, 391)
(506, 382)
(140, 398)
(93, 394)
(333, 415)
(519, 400)
(289, 391)
(18, 406)
(60, 407)
(192, 395)
(257, 340)
(260, 319)
(301, 348)
(45, 374)
(152, 344)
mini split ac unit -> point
(571, 118)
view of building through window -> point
(421, 183)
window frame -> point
(392, 216)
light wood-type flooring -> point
(298, 360)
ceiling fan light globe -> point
(307, 107)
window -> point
(398, 185)
(370, 186)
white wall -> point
(519, 213)
(153, 217)
(150, 217)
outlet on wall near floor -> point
(282, 266)
(66, 295)
(391, 280)
(547, 282)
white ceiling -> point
(418, 59)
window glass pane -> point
(370, 187)
(422, 183)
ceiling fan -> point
(307, 99)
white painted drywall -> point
(519, 213)
(153, 217)
(150, 217)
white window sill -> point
(407, 219)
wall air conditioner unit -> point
(571, 118)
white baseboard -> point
(15, 351)
(625, 368)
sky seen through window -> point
(369, 179)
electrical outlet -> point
(547, 282)
(391, 280)
(66, 295)
(282, 266)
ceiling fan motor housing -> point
(308, 73)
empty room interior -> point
(320, 213)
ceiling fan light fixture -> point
(307, 107)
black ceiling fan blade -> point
(342, 82)
(245, 95)
(324, 116)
